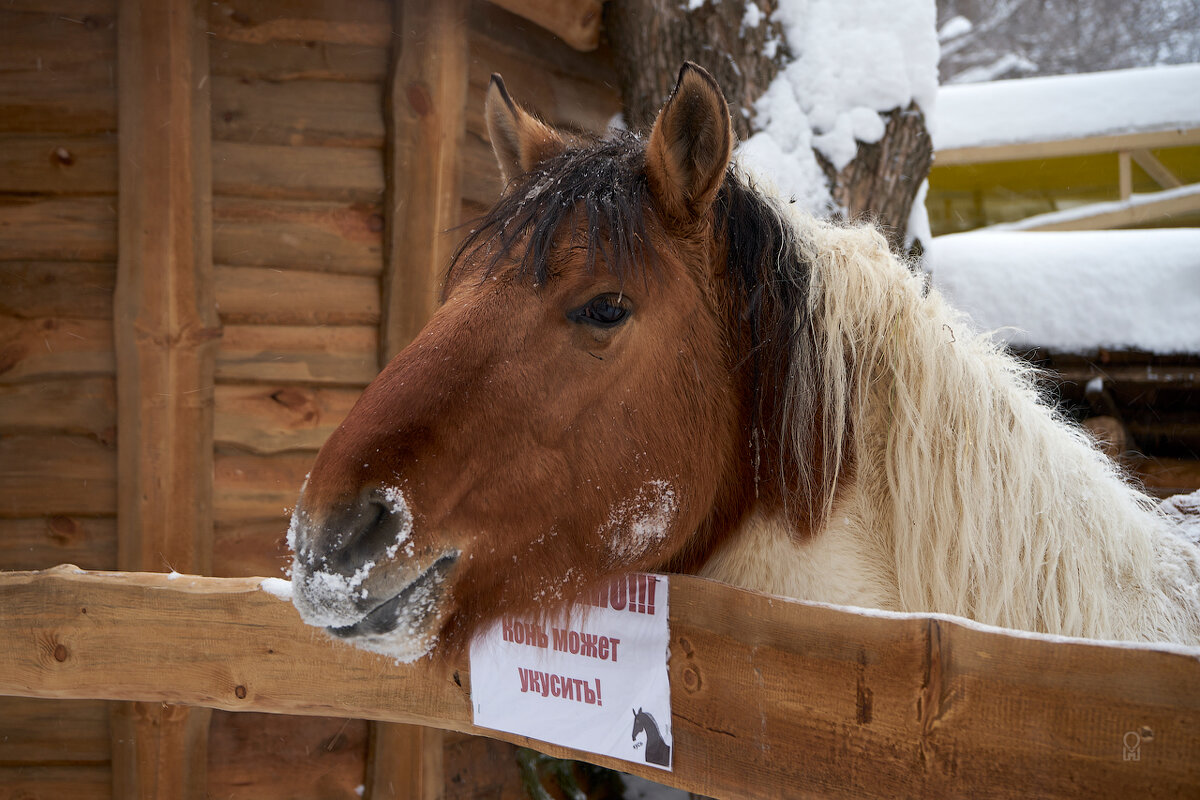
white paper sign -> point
(595, 680)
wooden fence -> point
(771, 697)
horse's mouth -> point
(406, 624)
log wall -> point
(299, 132)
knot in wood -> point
(60, 652)
(419, 99)
(240, 691)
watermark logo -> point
(1132, 743)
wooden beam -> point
(770, 697)
(1155, 169)
(166, 330)
(576, 22)
(1067, 147)
(425, 113)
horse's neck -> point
(646, 725)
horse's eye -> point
(603, 311)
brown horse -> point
(644, 362)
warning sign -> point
(594, 680)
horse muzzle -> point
(358, 575)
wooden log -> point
(74, 9)
(281, 172)
(514, 32)
(166, 330)
(278, 417)
(50, 475)
(586, 101)
(255, 756)
(332, 237)
(482, 184)
(249, 486)
(58, 164)
(405, 761)
(36, 731)
(576, 22)
(480, 767)
(78, 406)
(365, 22)
(91, 782)
(292, 61)
(41, 542)
(243, 548)
(424, 110)
(58, 228)
(770, 697)
(297, 112)
(266, 296)
(342, 355)
(41, 349)
(74, 290)
(58, 68)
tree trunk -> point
(651, 38)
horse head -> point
(581, 405)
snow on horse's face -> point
(567, 414)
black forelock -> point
(600, 184)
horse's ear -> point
(519, 140)
(690, 146)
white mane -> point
(967, 494)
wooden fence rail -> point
(771, 697)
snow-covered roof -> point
(1077, 291)
(1062, 107)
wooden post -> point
(425, 109)
(1124, 174)
(166, 329)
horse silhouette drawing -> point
(657, 750)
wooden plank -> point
(41, 349)
(292, 61)
(282, 172)
(92, 782)
(514, 32)
(79, 406)
(247, 486)
(1164, 477)
(255, 756)
(424, 163)
(274, 418)
(42, 542)
(265, 296)
(364, 22)
(166, 330)
(480, 767)
(301, 354)
(1155, 169)
(245, 548)
(50, 475)
(331, 237)
(41, 37)
(58, 164)
(58, 228)
(36, 731)
(1140, 213)
(74, 290)
(1068, 147)
(576, 22)
(331, 113)
(770, 697)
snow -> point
(1067, 107)
(1096, 209)
(277, 587)
(637, 525)
(1076, 291)
(954, 27)
(853, 61)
